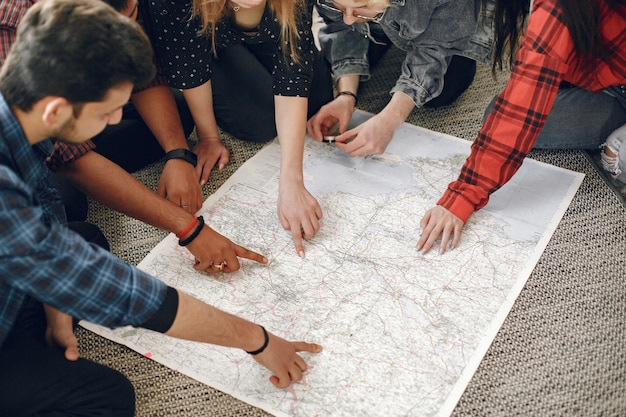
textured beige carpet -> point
(561, 350)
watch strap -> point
(184, 154)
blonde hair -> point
(286, 11)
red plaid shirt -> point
(547, 57)
(11, 12)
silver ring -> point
(183, 206)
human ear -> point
(57, 112)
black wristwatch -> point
(184, 154)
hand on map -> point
(210, 152)
(178, 183)
(216, 253)
(439, 221)
(282, 359)
(369, 138)
(299, 212)
(60, 332)
(331, 119)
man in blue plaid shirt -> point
(48, 273)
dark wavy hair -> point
(581, 17)
(77, 49)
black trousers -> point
(37, 380)
(131, 144)
(243, 98)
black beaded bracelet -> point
(195, 233)
(265, 343)
(348, 93)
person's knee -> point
(457, 79)
(613, 155)
(122, 395)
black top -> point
(185, 56)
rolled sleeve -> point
(65, 153)
(346, 49)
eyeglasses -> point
(334, 9)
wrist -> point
(184, 154)
(209, 139)
(194, 234)
(290, 181)
(266, 341)
(349, 94)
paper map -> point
(402, 332)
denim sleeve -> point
(345, 48)
(430, 31)
(431, 39)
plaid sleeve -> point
(65, 153)
(11, 12)
(517, 117)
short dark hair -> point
(77, 49)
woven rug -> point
(560, 352)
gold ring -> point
(219, 266)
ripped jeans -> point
(616, 165)
(582, 119)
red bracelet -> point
(187, 229)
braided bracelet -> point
(187, 228)
(195, 233)
(265, 343)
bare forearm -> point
(291, 115)
(348, 83)
(397, 110)
(157, 108)
(200, 102)
(113, 187)
(203, 323)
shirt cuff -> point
(164, 317)
(457, 205)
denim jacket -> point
(430, 31)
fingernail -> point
(420, 232)
(220, 167)
(301, 254)
(202, 182)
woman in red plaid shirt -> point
(567, 90)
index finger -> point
(296, 233)
(248, 254)
(307, 347)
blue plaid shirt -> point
(41, 257)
